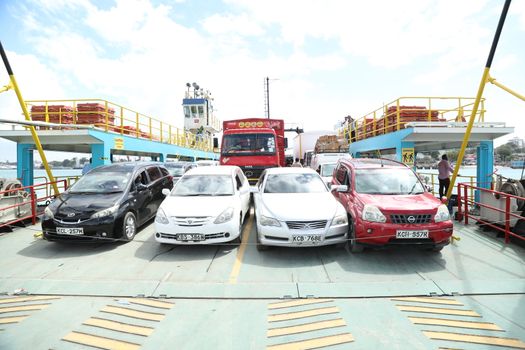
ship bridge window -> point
(201, 111)
(194, 111)
(187, 112)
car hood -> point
(83, 203)
(298, 206)
(198, 205)
(424, 201)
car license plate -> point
(307, 238)
(405, 234)
(70, 231)
(190, 237)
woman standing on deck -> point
(444, 169)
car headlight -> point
(225, 216)
(267, 221)
(442, 214)
(161, 217)
(48, 213)
(339, 220)
(373, 214)
(105, 212)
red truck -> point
(253, 144)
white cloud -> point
(242, 25)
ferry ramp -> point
(142, 295)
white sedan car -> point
(293, 207)
(207, 205)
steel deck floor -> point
(469, 296)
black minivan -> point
(110, 202)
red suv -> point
(387, 204)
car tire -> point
(238, 240)
(353, 246)
(129, 227)
(436, 249)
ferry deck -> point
(142, 295)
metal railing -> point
(394, 115)
(468, 207)
(433, 181)
(23, 202)
(112, 117)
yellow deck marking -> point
(314, 343)
(476, 339)
(26, 299)
(302, 314)
(437, 310)
(240, 253)
(4, 310)
(14, 319)
(151, 302)
(150, 316)
(299, 302)
(308, 327)
(119, 326)
(455, 323)
(100, 342)
(442, 301)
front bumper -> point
(94, 229)
(375, 234)
(214, 233)
(284, 237)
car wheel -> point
(129, 227)
(352, 241)
(239, 238)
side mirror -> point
(141, 187)
(166, 191)
(339, 188)
(215, 142)
(254, 189)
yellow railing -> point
(394, 115)
(112, 117)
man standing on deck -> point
(444, 169)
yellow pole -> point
(28, 118)
(501, 86)
(481, 87)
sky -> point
(325, 59)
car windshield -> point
(327, 169)
(248, 144)
(101, 182)
(387, 181)
(294, 183)
(204, 185)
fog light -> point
(157, 235)
(104, 234)
(369, 230)
(227, 235)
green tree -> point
(504, 151)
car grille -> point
(190, 221)
(410, 218)
(306, 225)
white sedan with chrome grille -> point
(293, 207)
(207, 205)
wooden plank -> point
(13, 319)
(314, 343)
(151, 302)
(26, 299)
(442, 301)
(99, 342)
(302, 314)
(32, 307)
(299, 302)
(142, 315)
(437, 310)
(476, 339)
(119, 326)
(455, 323)
(307, 327)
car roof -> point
(213, 170)
(125, 166)
(373, 163)
(290, 170)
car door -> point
(244, 190)
(156, 183)
(140, 194)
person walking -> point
(444, 170)
(297, 163)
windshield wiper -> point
(221, 194)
